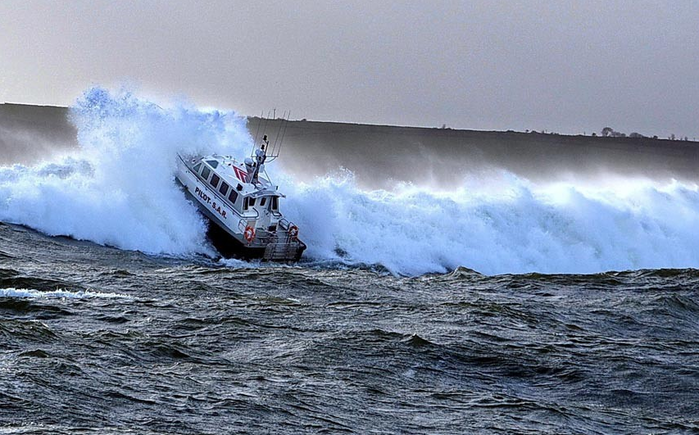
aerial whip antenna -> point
(279, 130)
(286, 124)
(262, 114)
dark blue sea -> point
(99, 340)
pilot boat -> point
(242, 206)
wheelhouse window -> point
(205, 172)
(246, 203)
(233, 196)
(274, 203)
(263, 201)
(197, 167)
(214, 180)
(251, 202)
(224, 188)
(213, 163)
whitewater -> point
(118, 189)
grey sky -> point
(567, 66)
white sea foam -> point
(119, 190)
(60, 294)
(522, 228)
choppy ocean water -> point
(99, 340)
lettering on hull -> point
(207, 199)
(204, 197)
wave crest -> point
(118, 189)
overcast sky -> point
(566, 66)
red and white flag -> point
(242, 175)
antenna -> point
(286, 124)
(258, 125)
(279, 130)
(273, 150)
(263, 123)
(279, 138)
(269, 115)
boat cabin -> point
(228, 180)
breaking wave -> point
(119, 190)
(521, 228)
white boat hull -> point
(227, 227)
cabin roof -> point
(234, 172)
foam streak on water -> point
(119, 190)
(60, 294)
